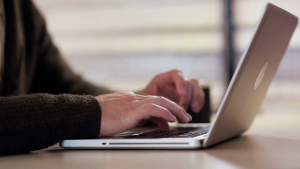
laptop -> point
(242, 100)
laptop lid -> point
(253, 75)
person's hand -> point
(125, 110)
(172, 85)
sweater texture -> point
(42, 101)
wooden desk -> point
(272, 142)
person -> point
(43, 101)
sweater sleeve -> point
(53, 74)
(37, 121)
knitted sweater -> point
(30, 119)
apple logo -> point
(261, 75)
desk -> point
(272, 142)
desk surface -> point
(272, 142)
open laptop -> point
(237, 110)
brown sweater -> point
(29, 119)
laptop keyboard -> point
(180, 132)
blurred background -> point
(123, 44)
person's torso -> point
(20, 52)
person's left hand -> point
(172, 85)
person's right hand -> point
(125, 110)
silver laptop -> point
(237, 110)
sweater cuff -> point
(88, 117)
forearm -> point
(38, 121)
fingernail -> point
(190, 117)
(187, 118)
(183, 91)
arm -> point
(37, 121)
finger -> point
(176, 77)
(162, 124)
(189, 96)
(179, 81)
(187, 114)
(175, 109)
(198, 97)
(147, 111)
(181, 87)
